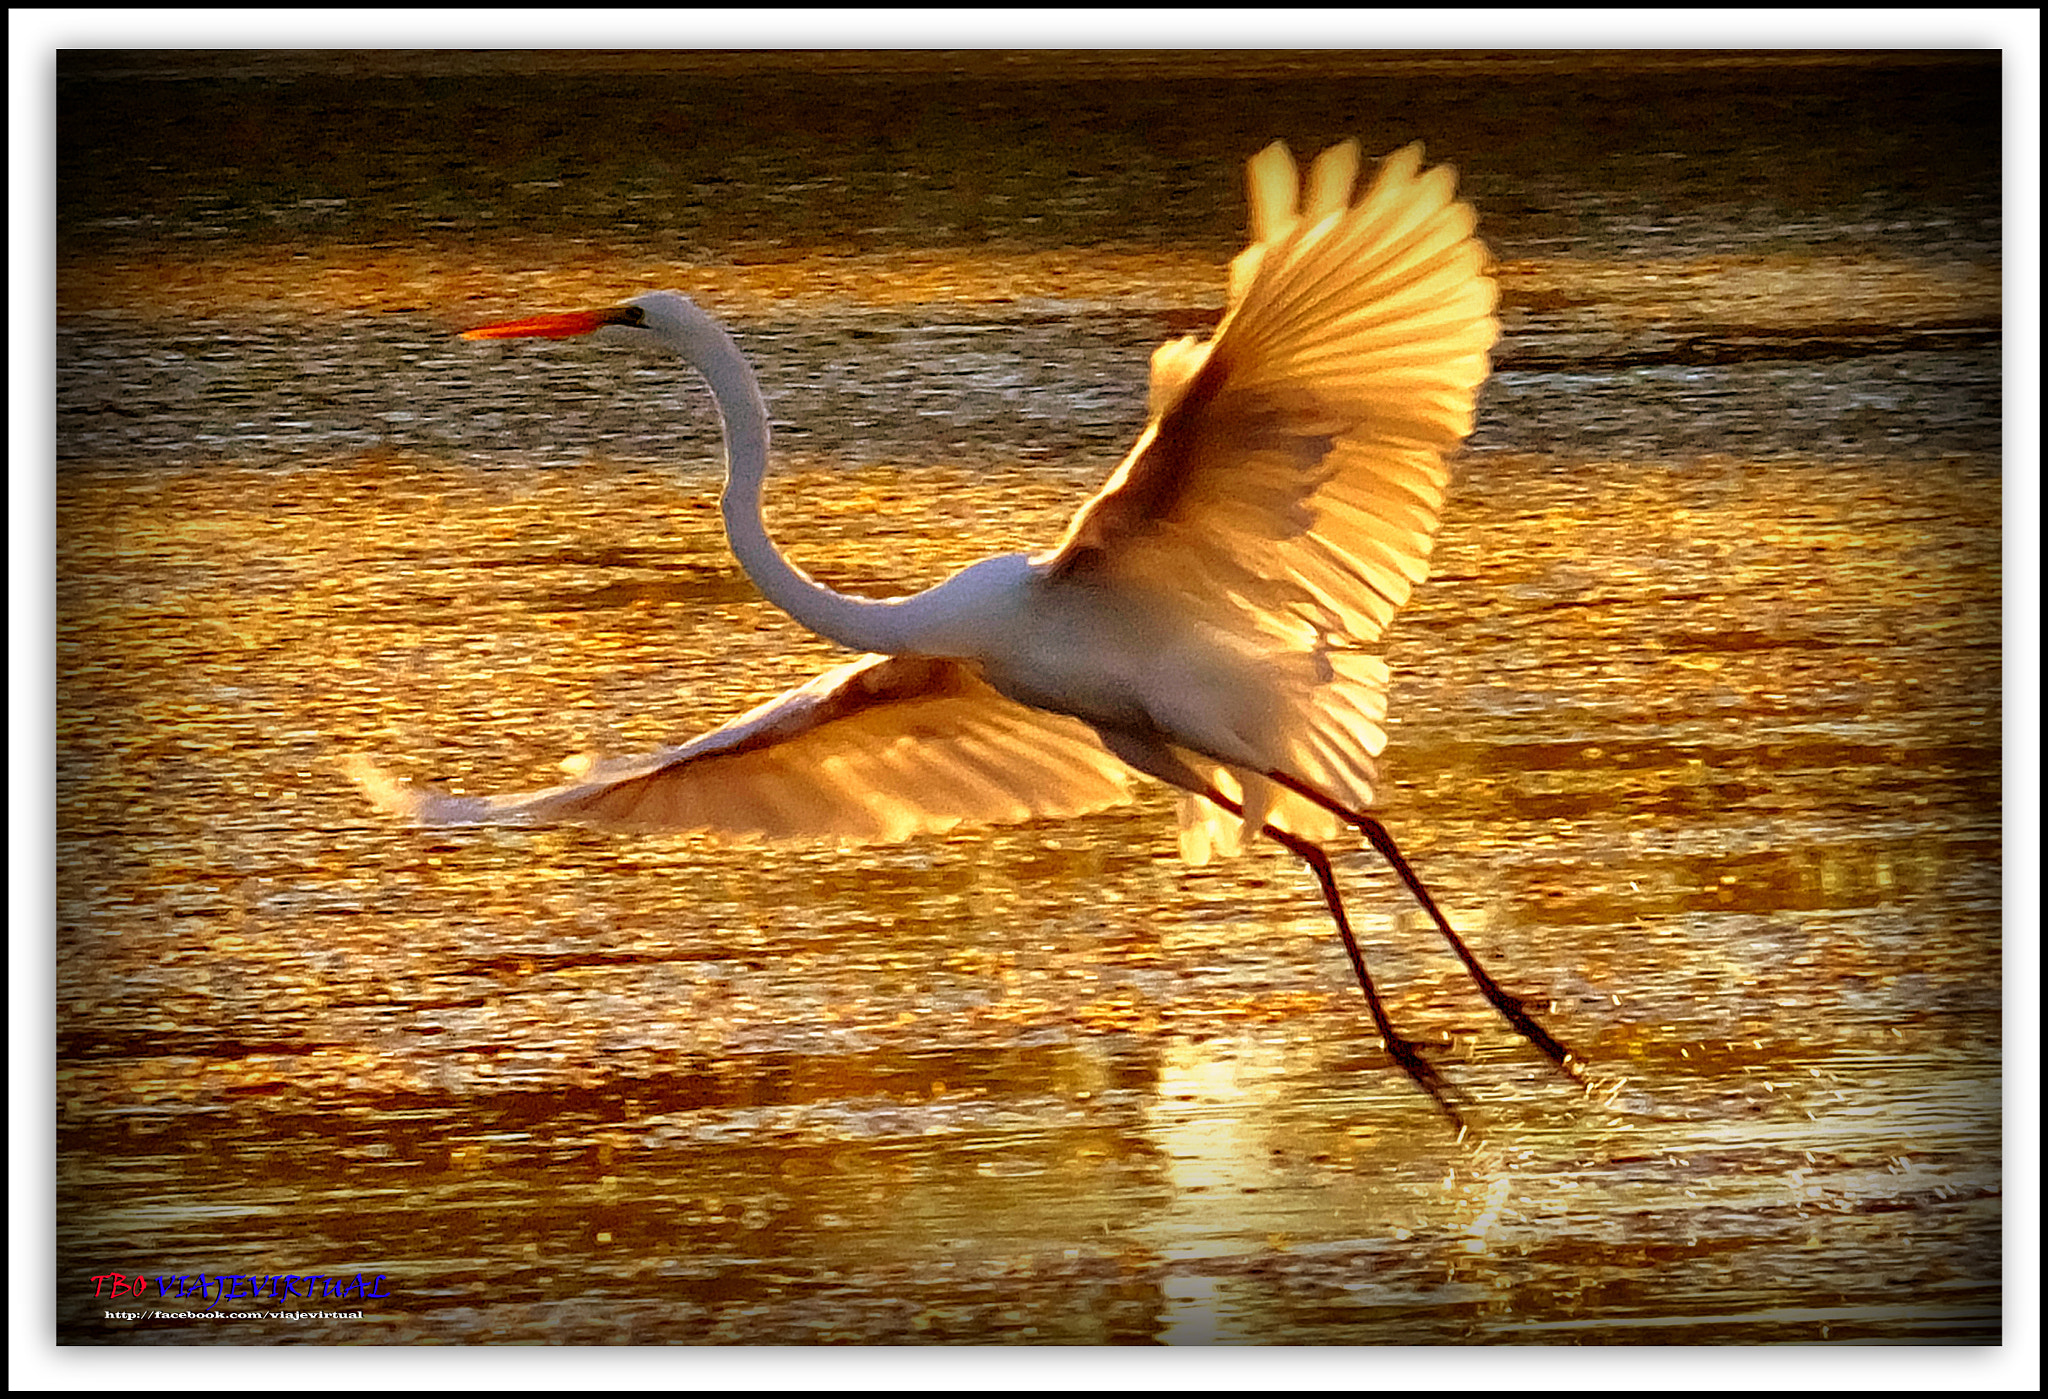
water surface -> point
(1696, 726)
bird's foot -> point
(1408, 1054)
(1516, 1011)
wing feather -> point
(1348, 361)
(879, 749)
(1288, 488)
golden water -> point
(1696, 732)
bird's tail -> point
(1338, 729)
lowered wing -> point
(878, 749)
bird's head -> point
(655, 319)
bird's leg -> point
(1406, 1052)
(1511, 1006)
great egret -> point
(1206, 621)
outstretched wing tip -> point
(388, 794)
(418, 803)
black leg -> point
(1511, 1006)
(1406, 1052)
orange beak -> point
(560, 326)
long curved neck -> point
(864, 624)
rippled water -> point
(1696, 730)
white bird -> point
(1209, 619)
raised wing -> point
(1294, 466)
(878, 749)
(1287, 489)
